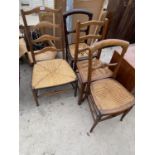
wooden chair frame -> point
(48, 38)
(67, 32)
(97, 115)
(97, 36)
(44, 24)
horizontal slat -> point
(90, 37)
(45, 37)
(92, 22)
(39, 9)
(50, 48)
(109, 42)
(46, 24)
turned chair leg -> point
(94, 125)
(35, 96)
(125, 113)
(81, 92)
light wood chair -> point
(82, 66)
(50, 73)
(70, 47)
(29, 29)
(107, 98)
(79, 53)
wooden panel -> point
(126, 73)
(58, 19)
(122, 19)
(94, 6)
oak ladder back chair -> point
(107, 98)
(29, 28)
(91, 38)
(50, 73)
(69, 47)
(82, 66)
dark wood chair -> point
(70, 47)
(82, 66)
(29, 28)
(107, 98)
(50, 73)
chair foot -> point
(35, 96)
(125, 113)
(94, 125)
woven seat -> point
(48, 55)
(97, 74)
(52, 73)
(110, 96)
(81, 46)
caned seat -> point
(48, 55)
(97, 74)
(52, 73)
(81, 46)
(110, 96)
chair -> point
(70, 48)
(50, 73)
(82, 66)
(29, 29)
(107, 98)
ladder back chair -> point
(80, 53)
(107, 98)
(43, 30)
(70, 48)
(82, 66)
(50, 73)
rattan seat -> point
(110, 96)
(97, 74)
(81, 46)
(52, 73)
(48, 55)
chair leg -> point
(72, 63)
(81, 92)
(125, 113)
(94, 125)
(35, 96)
(66, 56)
(76, 87)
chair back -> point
(46, 38)
(101, 45)
(42, 26)
(90, 38)
(71, 13)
